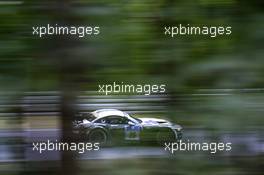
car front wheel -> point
(165, 136)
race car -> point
(114, 126)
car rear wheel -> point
(98, 136)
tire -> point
(98, 136)
(164, 136)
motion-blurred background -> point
(215, 86)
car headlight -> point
(178, 129)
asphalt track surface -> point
(249, 144)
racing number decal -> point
(132, 132)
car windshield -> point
(138, 120)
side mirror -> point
(131, 123)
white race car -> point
(111, 125)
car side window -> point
(101, 120)
(117, 120)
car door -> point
(117, 125)
(124, 129)
(132, 131)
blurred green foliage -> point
(132, 48)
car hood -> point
(158, 122)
